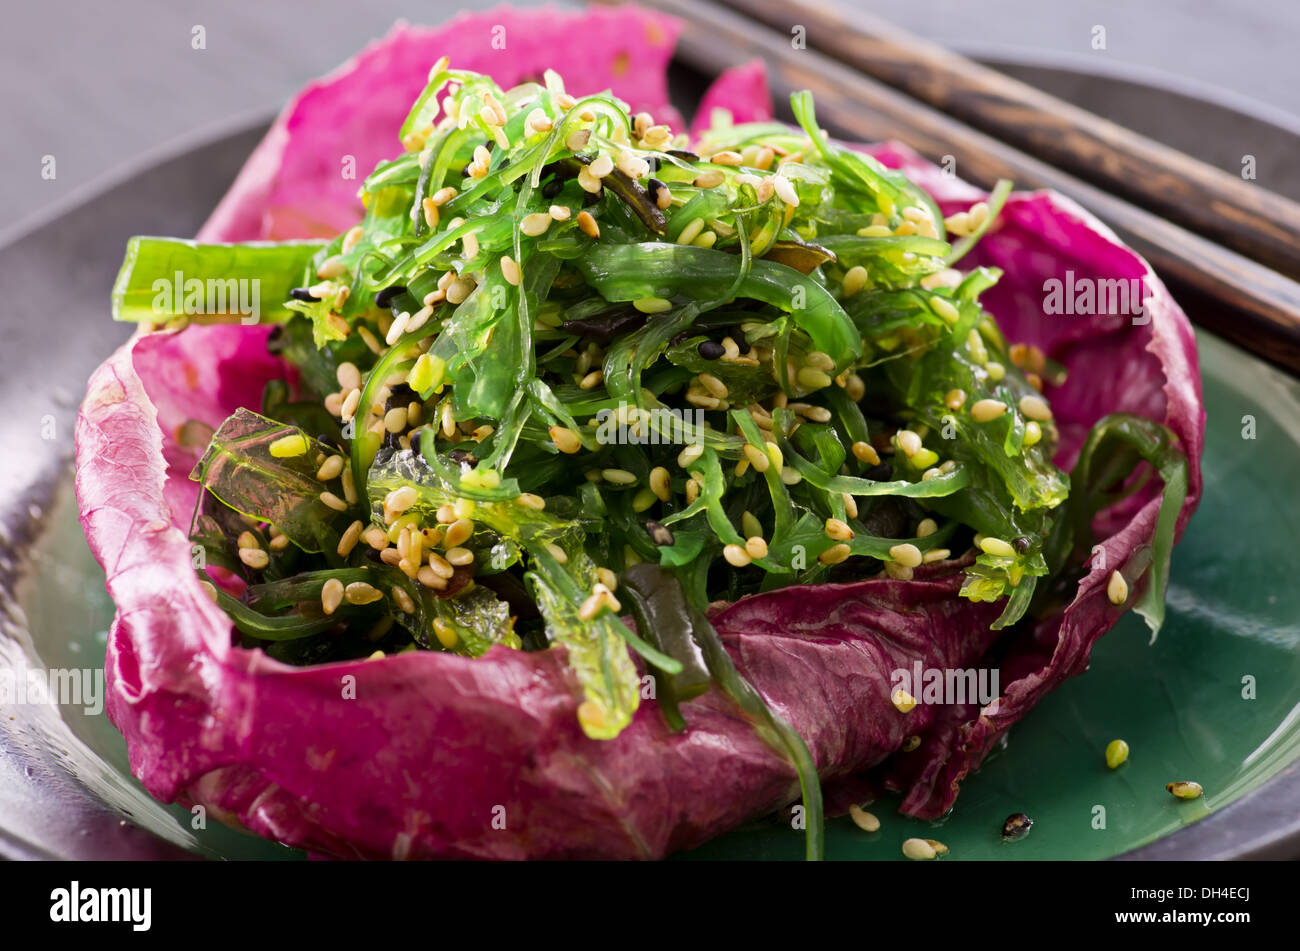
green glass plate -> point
(1184, 704)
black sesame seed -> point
(684, 155)
(301, 293)
(881, 473)
(742, 345)
(385, 297)
(415, 441)
(711, 349)
(1017, 826)
(659, 534)
(400, 395)
(552, 188)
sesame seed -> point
(918, 850)
(710, 178)
(560, 212)
(690, 454)
(903, 701)
(440, 566)
(1116, 753)
(898, 572)
(538, 121)
(535, 224)
(577, 140)
(736, 556)
(850, 505)
(926, 527)
(402, 599)
(1185, 790)
(935, 554)
(401, 499)
(1035, 407)
(459, 556)
(255, 558)
(1033, 434)
(945, 309)
(863, 819)
(855, 279)
(431, 214)
(331, 268)
(660, 484)
(908, 441)
(588, 224)
(529, 500)
(458, 532)
(985, 410)
(333, 501)
(395, 419)
(602, 166)
(757, 458)
(592, 380)
(565, 439)
(359, 592)
(445, 633)
(350, 539)
(397, 328)
(331, 595)
(811, 378)
(558, 553)
(838, 530)
(954, 399)
(998, 547)
(784, 189)
(349, 376)
(756, 546)
(1117, 589)
(835, 554)
(618, 476)
(691, 231)
(279, 542)
(906, 554)
(652, 305)
(288, 447)
(248, 540)
(865, 452)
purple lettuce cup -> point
(430, 754)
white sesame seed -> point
(1117, 589)
(1035, 408)
(398, 328)
(784, 190)
(535, 224)
(333, 501)
(985, 410)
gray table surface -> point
(99, 84)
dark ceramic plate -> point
(66, 791)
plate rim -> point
(1270, 832)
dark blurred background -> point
(99, 84)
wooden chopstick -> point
(1226, 292)
(1218, 205)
